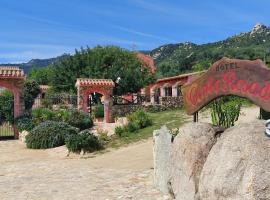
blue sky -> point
(48, 28)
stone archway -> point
(86, 86)
(13, 78)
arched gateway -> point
(12, 78)
(86, 86)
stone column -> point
(79, 99)
(18, 104)
(108, 109)
(85, 102)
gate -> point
(6, 118)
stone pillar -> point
(174, 91)
(79, 98)
(18, 104)
(84, 102)
(18, 110)
(108, 109)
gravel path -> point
(44, 175)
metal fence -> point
(56, 101)
(6, 130)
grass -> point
(172, 119)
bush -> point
(84, 141)
(140, 118)
(42, 114)
(24, 123)
(133, 127)
(80, 120)
(99, 111)
(62, 115)
(74, 118)
(119, 130)
(49, 134)
(31, 90)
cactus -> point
(225, 111)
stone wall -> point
(203, 163)
(171, 102)
(123, 110)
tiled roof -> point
(94, 82)
(44, 87)
(6, 71)
(180, 76)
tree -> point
(41, 75)
(109, 62)
(6, 106)
(31, 90)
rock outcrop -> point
(162, 154)
(204, 165)
(189, 152)
(238, 166)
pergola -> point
(86, 86)
(12, 78)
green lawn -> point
(172, 119)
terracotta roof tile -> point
(7, 71)
(94, 82)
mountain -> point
(37, 63)
(172, 59)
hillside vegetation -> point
(173, 59)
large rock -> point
(189, 151)
(162, 154)
(238, 166)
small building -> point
(170, 86)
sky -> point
(33, 29)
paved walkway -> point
(48, 175)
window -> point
(179, 92)
(168, 91)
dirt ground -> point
(125, 173)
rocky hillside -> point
(37, 63)
(173, 59)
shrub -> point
(99, 111)
(42, 114)
(119, 130)
(133, 127)
(24, 123)
(49, 134)
(80, 120)
(31, 90)
(84, 141)
(140, 118)
(62, 115)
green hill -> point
(173, 59)
(37, 63)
